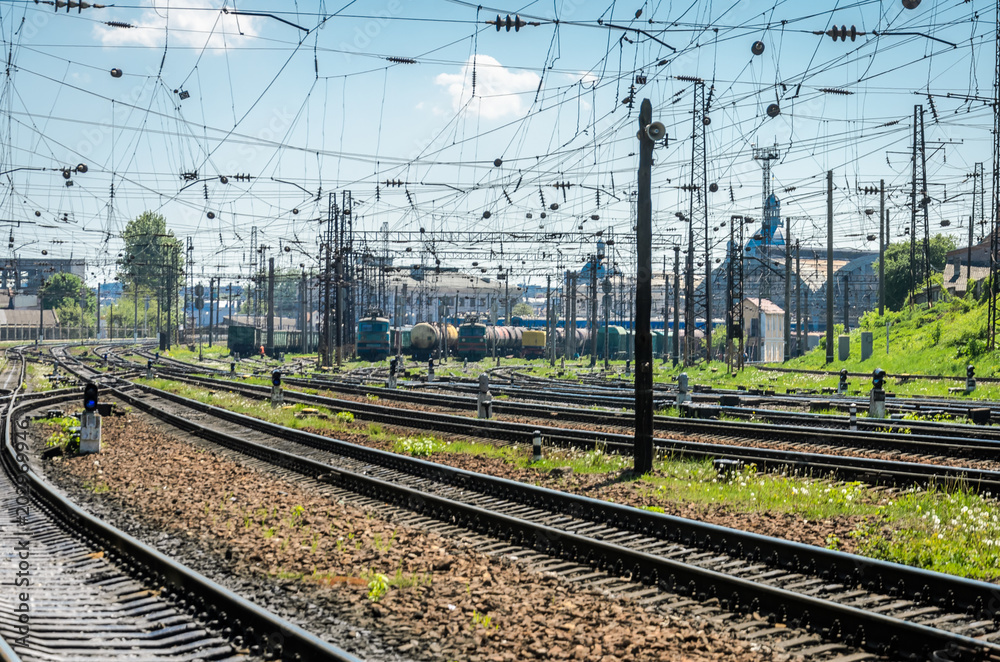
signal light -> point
(970, 372)
(90, 397)
(878, 378)
(276, 378)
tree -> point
(522, 309)
(897, 268)
(151, 252)
(65, 290)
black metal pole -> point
(829, 266)
(883, 222)
(643, 301)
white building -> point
(764, 331)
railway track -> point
(881, 607)
(916, 441)
(82, 590)
(848, 467)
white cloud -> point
(198, 23)
(500, 92)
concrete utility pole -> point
(666, 309)
(211, 308)
(800, 349)
(566, 326)
(593, 310)
(676, 337)
(550, 327)
(829, 266)
(788, 300)
(643, 460)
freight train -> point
(474, 340)
(426, 339)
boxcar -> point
(399, 339)
(533, 343)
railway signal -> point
(276, 396)
(842, 385)
(682, 389)
(484, 399)
(970, 379)
(90, 421)
(90, 397)
(393, 368)
(876, 399)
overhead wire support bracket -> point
(912, 34)
(638, 31)
(238, 12)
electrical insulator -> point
(843, 33)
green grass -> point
(36, 377)
(940, 340)
(952, 531)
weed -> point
(345, 417)
(484, 620)
(424, 446)
(66, 435)
(378, 585)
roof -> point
(22, 317)
(956, 276)
(765, 305)
(450, 283)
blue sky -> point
(324, 97)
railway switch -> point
(277, 397)
(876, 399)
(682, 389)
(970, 379)
(842, 385)
(90, 421)
(484, 399)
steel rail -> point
(280, 636)
(870, 470)
(834, 620)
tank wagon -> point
(425, 339)
(477, 340)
